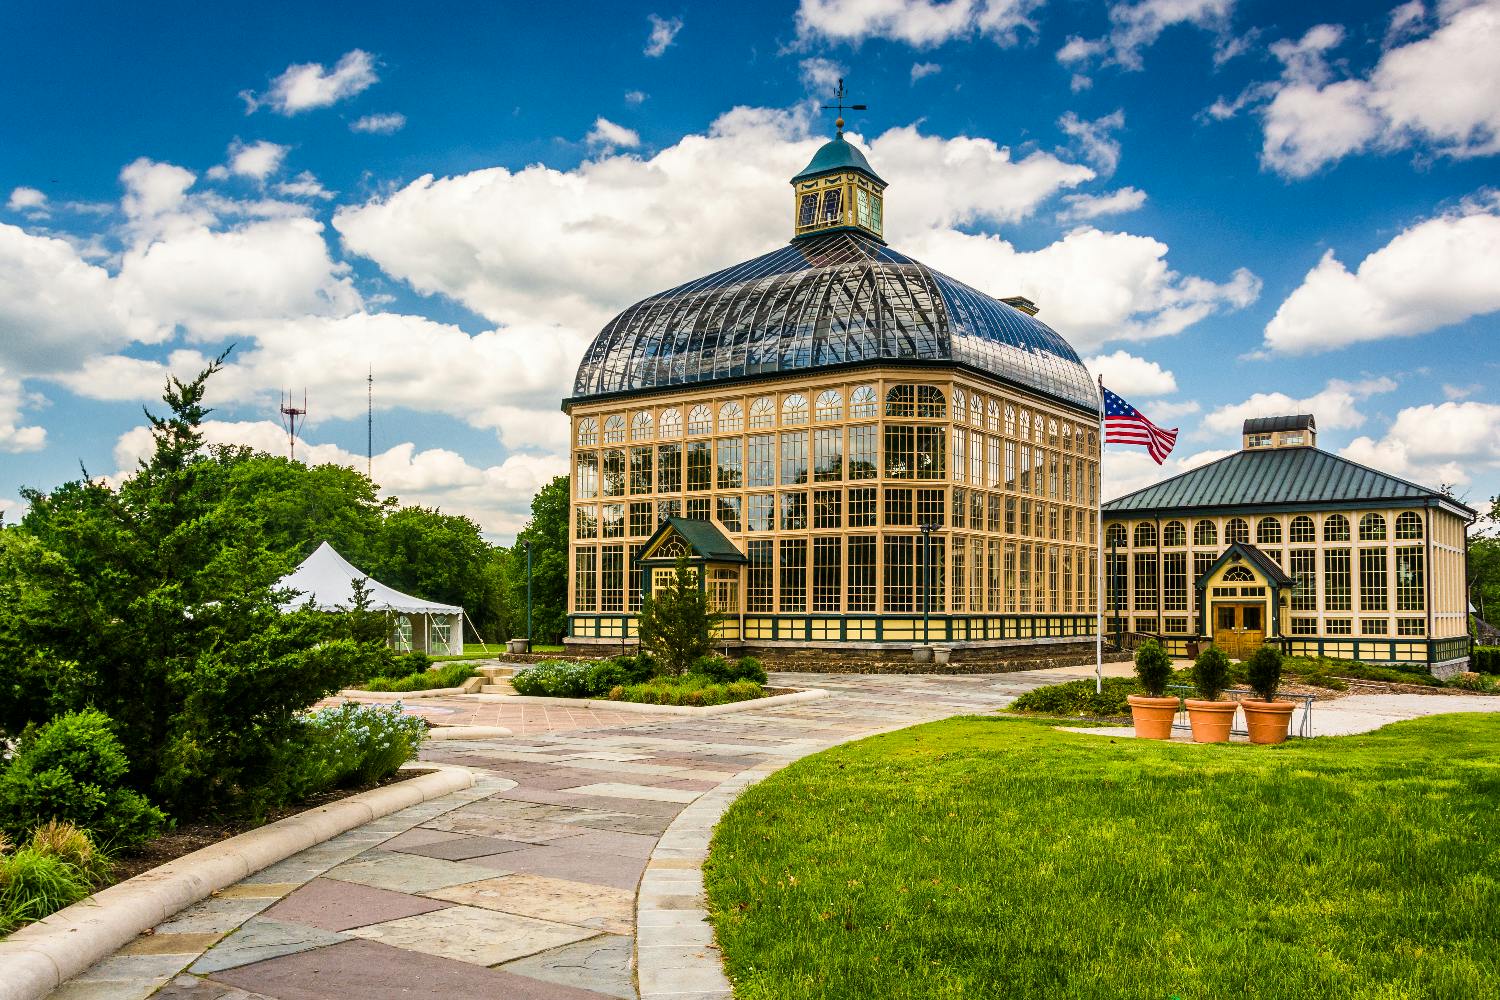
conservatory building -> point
(855, 450)
(1282, 542)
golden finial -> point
(841, 107)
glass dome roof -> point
(825, 301)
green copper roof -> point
(706, 541)
(1277, 476)
(837, 154)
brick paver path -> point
(522, 888)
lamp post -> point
(528, 595)
(927, 529)
(1114, 592)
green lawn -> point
(993, 857)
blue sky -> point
(1231, 209)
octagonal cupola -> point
(838, 190)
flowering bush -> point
(555, 679)
(353, 744)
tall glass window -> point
(1336, 579)
(828, 569)
(793, 576)
(900, 577)
(1237, 530)
(760, 512)
(614, 473)
(730, 467)
(729, 512)
(828, 455)
(585, 579)
(793, 511)
(612, 578)
(864, 445)
(828, 509)
(587, 475)
(793, 457)
(760, 460)
(1411, 591)
(1268, 531)
(900, 451)
(640, 470)
(699, 466)
(1302, 529)
(1205, 533)
(668, 468)
(1304, 570)
(612, 520)
(1372, 578)
(862, 507)
(760, 582)
(1174, 582)
(932, 453)
(861, 573)
(1145, 581)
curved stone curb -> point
(359, 694)
(753, 704)
(467, 732)
(42, 956)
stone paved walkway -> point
(525, 886)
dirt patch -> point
(189, 837)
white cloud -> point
(1093, 206)
(1126, 469)
(1436, 91)
(919, 23)
(379, 124)
(257, 160)
(1135, 27)
(304, 185)
(663, 33)
(1095, 139)
(1093, 286)
(305, 86)
(922, 70)
(820, 77)
(1435, 444)
(27, 199)
(1128, 375)
(14, 436)
(635, 98)
(1336, 406)
(1436, 273)
(607, 135)
(1457, 392)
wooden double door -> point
(1239, 629)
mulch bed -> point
(186, 838)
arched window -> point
(1115, 536)
(1336, 528)
(1238, 574)
(1145, 535)
(588, 432)
(1205, 532)
(700, 420)
(614, 429)
(640, 426)
(901, 401)
(1268, 531)
(1067, 431)
(829, 405)
(1408, 525)
(1372, 528)
(862, 401)
(763, 413)
(1303, 529)
(1174, 534)
(403, 634)
(1036, 425)
(1010, 420)
(794, 409)
(1052, 433)
(960, 408)
(930, 401)
(670, 423)
(976, 410)
(1025, 425)
(731, 418)
(1237, 530)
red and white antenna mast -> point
(291, 415)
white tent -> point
(325, 581)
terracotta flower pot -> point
(1268, 721)
(1211, 720)
(1152, 716)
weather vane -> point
(841, 107)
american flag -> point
(1123, 424)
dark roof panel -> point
(1265, 477)
(1266, 425)
(702, 537)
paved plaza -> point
(528, 886)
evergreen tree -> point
(676, 625)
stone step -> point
(501, 688)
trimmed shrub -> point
(447, 676)
(694, 690)
(1153, 668)
(1264, 670)
(1486, 660)
(352, 745)
(554, 679)
(73, 769)
(1078, 698)
(1211, 673)
(405, 665)
(724, 671)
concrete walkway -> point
(528, 886)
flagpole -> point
(1099, 558)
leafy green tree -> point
(441, 557)
(547, 531)
(676, 625)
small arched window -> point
(1205, 532)
(1336, 528)
(641, 426)
(960, 407)
(1010, 420)
(1303, 530)
(976, 410)
(931, 402)
(1372, 528)
(794, 409)
(1115, 536)
(1036, 425)
(862, 401)
(700, 420)
(1067, 432)
(901, 401)
(670, 423)
(1025, 425)
(1145, 535)
(1408, 525)
(614, 429)
(829, 405)
(763, 413)
(1238, 574)
(588, 432)
(731, 418)
(1237, 530)
(1268, 531)
(1174, 534)
(1052, 433)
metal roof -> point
(1267, 566)
(703, 537)
(825, 301)
(1265, 477)
(837, 154)
(1266, 425)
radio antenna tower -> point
(370, 422)
(291, 415)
